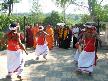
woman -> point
(41, 47)
(15, 61)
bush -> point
(2, 45)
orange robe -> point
(35, 30)
(50, 37)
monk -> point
(29, 36)
(35, 29)
(50, 37)
(60, 36)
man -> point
(60, 36)
(56, 32)
(69, 37)
(87, 57)
(15, 60)
(75, 31)
(41, 47)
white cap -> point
(83, 29)
(60, 24)
(13, 26)
(89, 26)
(41, 27)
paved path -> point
(58, 67)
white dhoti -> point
(86, 61)
(76, 56)
(15, 62)
(41, 50)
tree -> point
(53, 19)
(34, 18)
(85, 18)
(35, 6)
(64, 5)
(95, 9)
(105, 13)
(8, 5)
(36, 13)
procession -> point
(43, 39)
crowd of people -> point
(60, 36)
(44, 38)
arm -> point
(21, 45)
(46, 33)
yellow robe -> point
(50, 37)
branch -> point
(67, 6)
(101, 1)
(79, 5)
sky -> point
(47, 6)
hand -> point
(26, 53)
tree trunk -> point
(10, 3)
(64, 16)
(91, 4)
(9, 10)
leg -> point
(37, 58)
(9, 75)
(44, 56)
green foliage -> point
(86, 18)
(105, 13)
(36, 18)
(6, 20)
(1, 34)
(100, 12)
(53, 19)
(2, 47)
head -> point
(13, 26)
(89, 29)
(48, 26)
